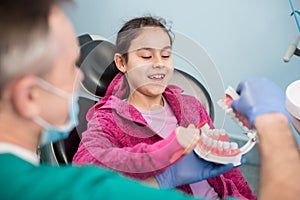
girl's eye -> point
(144, 54)
(165, 54)
(146, 57)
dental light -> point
(292, 49)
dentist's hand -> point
(188, 170)
(258, 97)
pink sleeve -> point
(204, 115)
(140, 161)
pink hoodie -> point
(119, 138)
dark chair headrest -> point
(82, 39)
(97, 64)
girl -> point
(137, 127)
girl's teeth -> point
(158, 76)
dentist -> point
(263, 103)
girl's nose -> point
(158, 62)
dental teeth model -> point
(214, 144)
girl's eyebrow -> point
(149, 48)
(167, 47)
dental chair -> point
(97, 64)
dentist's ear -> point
(25, 97)
(120, 63)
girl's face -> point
(150, 66)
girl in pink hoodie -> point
(137, 127)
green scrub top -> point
(23, 180)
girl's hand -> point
(188, 137)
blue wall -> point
(242, 38)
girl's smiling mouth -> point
(157, 76)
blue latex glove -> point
(258, 97)
(190, 169)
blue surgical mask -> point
(54, 133)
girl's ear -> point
(24, 97)
(120, 62)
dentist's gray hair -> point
(26, 44)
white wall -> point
(243, 38)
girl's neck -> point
(143, 102)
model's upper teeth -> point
(157, 76)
